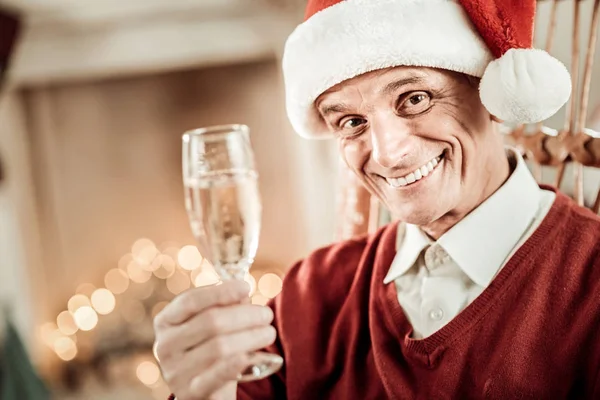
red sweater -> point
(534, 333)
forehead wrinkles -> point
(384, 82)
(379, 85)
(347, 99)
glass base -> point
(263, 365)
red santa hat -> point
(489, 39)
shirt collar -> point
(481, 242)
(410, 245)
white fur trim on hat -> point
(525, 86)
(357, 36)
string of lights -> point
(139, 287)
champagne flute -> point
(224, 208)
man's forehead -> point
(385, 80)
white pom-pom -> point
(525, 86)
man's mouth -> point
(418, 174)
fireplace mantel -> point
(69, 40)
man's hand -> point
(203, 337)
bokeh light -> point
(178, 282)
(116, 281)
(124, 261)
(259, 299)
(204, 277)
(159, 261)
(154, 264)
(65, 348)
(269, 285)
(47, 328)
(76, 302)
(49, 333)
(141, 244)
(103, 301)
(85, 289)
(166, 267)
(194, 274)
(206, 265)
(148, 373)
(137, 273)
(146, 256)
(144, 251)
(66, 323)
(171, 251)
(189, 258)
(86, 318)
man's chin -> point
(419, 215)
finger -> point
(221, 374)
(218, 321)
(194, 301)
(226, 346)
(246, 300)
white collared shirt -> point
(435, 281)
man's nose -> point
(390, 139)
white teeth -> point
(416, 175)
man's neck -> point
(502, 169)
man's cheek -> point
(353, 154)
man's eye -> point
(416, 103)
(352, 123)
(417, 98)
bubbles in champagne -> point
(225, 211)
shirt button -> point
(436, 314)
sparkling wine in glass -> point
(224, 208)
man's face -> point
(418, 138)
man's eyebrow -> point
(387, 90)
(392, 87)
(333, 108)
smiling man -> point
(420, 140)
(484, 286)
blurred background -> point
(94, 237)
